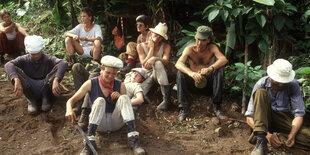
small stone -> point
(230, 126)
(215, 121)
(157, 137)
(219, 132)
(236, 124)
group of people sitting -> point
(108, 103)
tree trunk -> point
(246, 57)
(73, 15)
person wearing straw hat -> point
(36, 75)
(204, 72)
(276, 109)
(85, 39)
(110, 106)
(154, 57)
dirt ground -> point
(160, 132)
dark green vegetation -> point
(251, 33)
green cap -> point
(204, 32)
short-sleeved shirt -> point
(93, 33)
(287, 100)
(132, 88)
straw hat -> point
(281, 71)
(161, 29)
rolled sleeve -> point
(297, 103)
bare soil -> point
(160, 132)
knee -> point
(97, 44)
(158, 65)
(124, 98)
(260, 92)
(68, 40)
(76, 68)
(99, 102)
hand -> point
(115, 95)
(18, 88)
(290, 140)
(70, 115)
(206, 71)
(273, 140)
(75, 37)
(196, 76)
(55, 88)
(83, 38)
(149, 63)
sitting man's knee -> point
(77, 67)
(99, 101)
(68, 39)
(97, 44)
(124, 98)
(260, 91)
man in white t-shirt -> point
(85, 39)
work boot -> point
(87, 150)
(260, 147)
(134, 143)
(46, 98)
(83, 121)
(32, 101)
(165, 91)
(218, 112)
(183, 114)
(127, 68)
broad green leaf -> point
(303, 71)
(289, 23)
(207, 8)
(265, 36)
(236, 12)
(261, 19)
(278, 22)
(231, 36)
(250, 25)
(239, 65)
(183, 40)
(265, 2)
(228, 5)
(190, 42)
(188, 33)
(246, 10)
(249, 63)
(251, 39)
(255, 33)
(263, 46)
(224, 15)
(220, 2)
(195, 24)
(258, 67)
(240, 77)
(212, 15)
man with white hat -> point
(36, 75)
(154, 56)
(276, 109)
(203, 74)
(110, 106)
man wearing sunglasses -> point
(204, 72)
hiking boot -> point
(83, 121)
(164, 105)
(87, 150)
(260, 147)
(183, 114)
(252, 139)
(134, 143)
(127, 68)
(219, 114)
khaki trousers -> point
(277, 122)
(158, 74)
(111, 121)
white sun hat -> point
(34, 44)
(111, 61)
(141, 71)
(161, 29)
(281, 71)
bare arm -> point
(296, 124)
(21, 30)
(141, 53)
(71, 35)
(7, 29)
(221, 59)
(85, 88)
(139, 39)
(138, 99)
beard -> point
(276, 87)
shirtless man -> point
(204, 72)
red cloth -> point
(109, 86)
(11, 46)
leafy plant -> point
(234, 76)
(304, 80)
